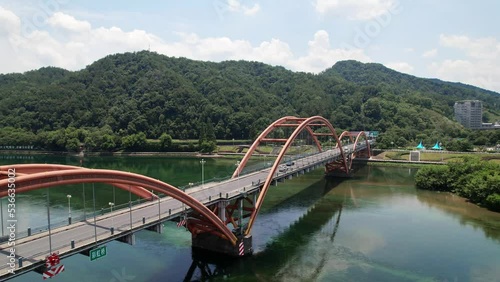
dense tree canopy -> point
(476, 180)
(124, 99)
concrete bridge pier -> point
(214, 243)
(128, 238)
(158, 228)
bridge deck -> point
(35, 248)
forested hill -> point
(123, 96)
(377, 74)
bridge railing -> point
(54, 224)
(256, 184)
(95, 235)
(90, 236)
(90, 213)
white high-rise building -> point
(469, 113)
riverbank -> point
(401, 163)
(474, 179)
(115, 154)
(381, 157)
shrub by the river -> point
(493, 202)
(433, 178)
(476, 180)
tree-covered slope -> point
(124, 95)
(447, 93)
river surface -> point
(373, 227)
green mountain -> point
(377, 74)
(134, 96)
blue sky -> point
(450, 40)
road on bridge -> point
(95, 231)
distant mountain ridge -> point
(149, 93)
(358, 73)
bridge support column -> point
(214, 243)
(129, 239)
(222, 210)
(158, 228)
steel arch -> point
(288, 121)
(24, 169)
(301, 124)
(344, 134)
(30, 182)
(358, 136)
(355, 141)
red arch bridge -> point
(219, 215)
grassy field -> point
(437, 156)
(234, 149)
(385, 155)
(267, 149)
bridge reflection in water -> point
(220, 216)
(321, 216)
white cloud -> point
(9, 22)
(233, 5)
(479, 65)
(67, 22)
(251, 11)
(80, 44)
(321, 56)
(72, 44)
(357, 9)
(430, 54)
(480, 48)
(77, 46)
(236, 6)
(276, 52)
(401, 67)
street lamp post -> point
(237, 164)
(240, 224)
(202, 162)
(111, 204)
(1, 214)
(441, 149)
(69, 208)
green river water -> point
(373, 227)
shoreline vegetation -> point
(472, 178)
(382, 156)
